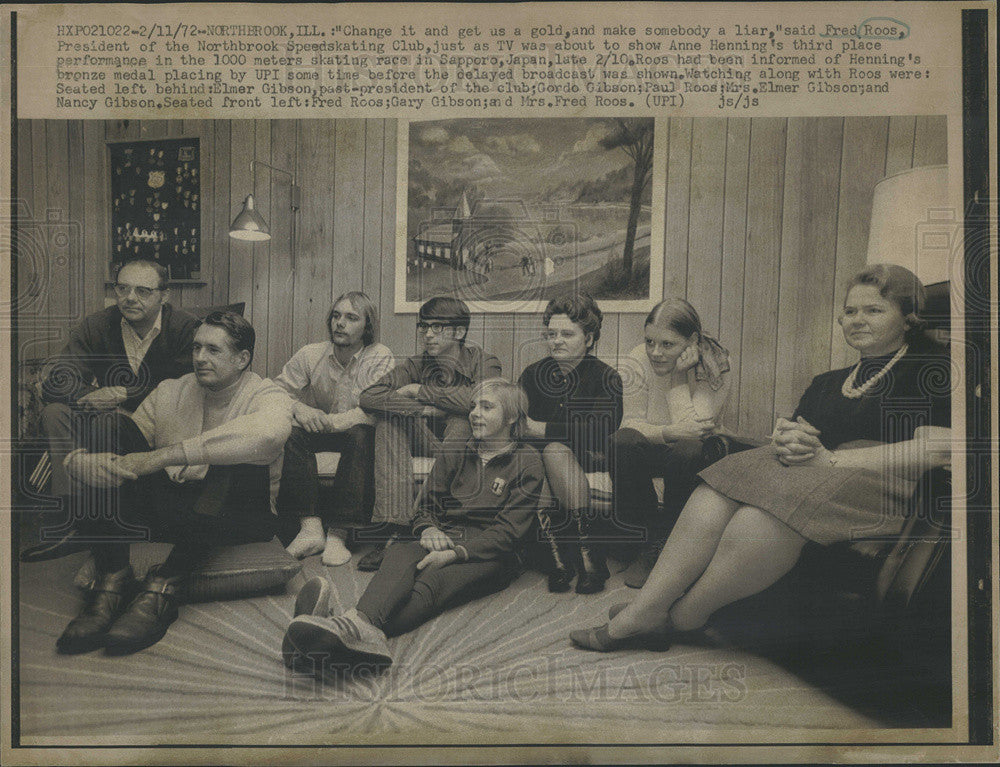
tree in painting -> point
(635, 138)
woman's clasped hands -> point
(797, 443)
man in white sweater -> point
(198, 465)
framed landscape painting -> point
(509, 213)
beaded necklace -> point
(848, 389)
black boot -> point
(559, 565)
(88, 630)
(594, 570)
(148, 617)
(561, 579)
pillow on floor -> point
(231, 572)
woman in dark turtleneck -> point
(842, 468)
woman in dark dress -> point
(842, 468)
(574, 405)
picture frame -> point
(508, 213)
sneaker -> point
(313, 598)
(342, 639)
(147, 619)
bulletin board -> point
(156, 204)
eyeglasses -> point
(436, 328)
(122, 290)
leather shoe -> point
(560, 580)
(591, 582)
(88, 630)
(597, 639)
(147, 619)
(372, 561)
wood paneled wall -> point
(765, 220)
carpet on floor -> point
(499, 670)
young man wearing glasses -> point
(422, 407)
(112, 360)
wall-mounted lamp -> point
(249, 225)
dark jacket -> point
(94, 357)
(487, 508)
(446, 384)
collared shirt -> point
(446, 384)
(315, 376)
(136, 346)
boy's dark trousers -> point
(399, 597)
(353, 485)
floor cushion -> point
(231, 572)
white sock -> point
(310, 539)
(335, 552)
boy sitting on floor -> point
(478, 505)
(422, 408)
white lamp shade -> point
(249, 224)
(912, 224)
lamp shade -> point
(912, 224)
(249, 224)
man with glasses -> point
(422, 407)
(112, 360)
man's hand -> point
(437, 559)
(410, 390)
(97, 469)
(433, 539)
(141, 464)
(311, 419)
(105, 398)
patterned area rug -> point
(499, 670)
